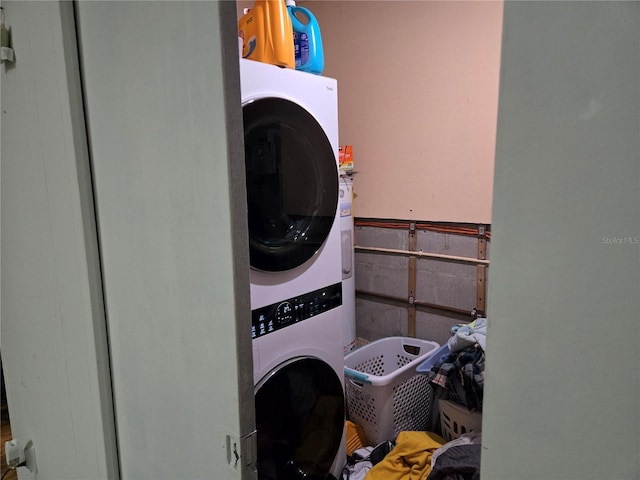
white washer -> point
(291, 146)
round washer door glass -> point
(292, 184)
(299, 420)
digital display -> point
(279, 315)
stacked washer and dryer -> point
(291, 144)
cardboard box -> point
(345, 158)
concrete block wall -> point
(382, 277)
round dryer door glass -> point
(299, 421)
(292, 184)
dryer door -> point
(292, 184)
(299, 420)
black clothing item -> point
(457, 463)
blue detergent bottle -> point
(306, 39)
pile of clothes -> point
(418, 456)
(459, 373)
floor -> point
(6, 436)
(5, 430)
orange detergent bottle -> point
(267, 33)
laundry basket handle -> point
(356, 375)
(414, 346)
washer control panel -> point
(268, 319)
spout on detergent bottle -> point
(307, 41)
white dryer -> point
(291, 145)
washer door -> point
(292, 184)
(299, 420)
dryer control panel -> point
(268, 319)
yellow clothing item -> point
(410, 459)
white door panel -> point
(172, 231)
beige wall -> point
(418, 100)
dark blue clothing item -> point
(459, 376)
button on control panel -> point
(268, 319)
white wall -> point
(562, 384)
(54, 347)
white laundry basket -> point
(385, 394)
(456, 420)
